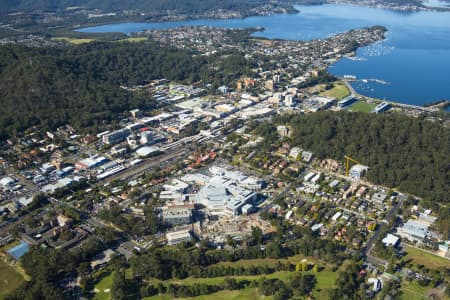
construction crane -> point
(347, 164)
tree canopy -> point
(411, 154)
(80, 84)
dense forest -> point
(80, 85)
(411, 154)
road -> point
(173, 153)
(284, 192)
(350, 88)
(375, 236)
(11, 224)
(407, 106)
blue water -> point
(18, 251)
(437, 3)
(414, 59)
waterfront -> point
(414, 59)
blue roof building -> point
(18, 251)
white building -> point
(196, 178)
(307, 156)
(289, 101)
(309, 176)
(391, 240)
(247, 209)
(146, 137)
(256, 112)
(179, 236)
(213, 195)
(147, 151)
(7, 181)
(336, 216)
(223, 195)
(376, 284)
(358, 171)
(239, 178)
(295, 152)
(283, 130)
(115, 136)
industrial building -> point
(90, 162)
(414, 230)
(61, 183)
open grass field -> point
(250, 293)
(269, 261)
(361, 106)
(103, 287)
(10, 279)
(339, 91)
(134, 39)
(413, 291)
(282, 275)
(74, 41)
(325, 280)
(427, 259)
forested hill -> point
(186, 6)
(80, 85)
(181, 6)
(403, 152)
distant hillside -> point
(191, 6)
(180, 6)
